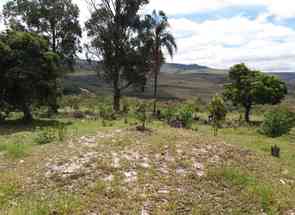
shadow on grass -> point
(9, 127)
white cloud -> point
(224, 42)
(278, 8)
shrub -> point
(142, 114)
(217, 111)
(45, 136)
(179, 116)
(61, 132)
(277, 123)
(168, 113)
(106, 112)
(186, 115)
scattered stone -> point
(116, 160)
(109, 178)
(199, 167)
(164, 191)
(131, 176)
(283, 182)
(181, 171)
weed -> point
(45, 136)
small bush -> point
(277, 123)
(217, 111)
(168, 113)
(179, 116)
(142, 114)
(62, 132)
(186, 115)
(106, 112)
(45, 136)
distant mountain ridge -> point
(166, 68)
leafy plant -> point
(62, 132)
(277, 123)
(186, 115)
(142, 114)
(217, 110)
(106, 113)
(45, 136)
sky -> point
(221, 33)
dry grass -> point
(123, 171)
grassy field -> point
(96, 167)
(173, 84)
(83, 165)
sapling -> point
(217, 111)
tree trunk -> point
(53, 105)
(28, 117)
(53, 38)
(117, 97)
(156, 90)
(247, 113)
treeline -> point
(43, 38)
(128, 43)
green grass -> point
(250, 187)
(243, 183)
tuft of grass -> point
(61, 204)
(7, 192)
(252, 188)
(16, 150)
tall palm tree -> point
(162, 40)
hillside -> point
(177, 81)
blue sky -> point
(221, 33)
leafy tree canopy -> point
(248, 88)
(28, 72)
(119, 38)
(57, 20)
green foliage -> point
(160, 38)
(7, 192)
(248, 88)
(185, 114)
(277, 123)
(106, 112)
(142, 114)
(45, 136)
(261, 191)
(57, 20)
(217, 111)
(119, 36)
(73, 102)
(27, 74)
(62, 132)
(168, 113)
(16, 149)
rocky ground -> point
(163, 171)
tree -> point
(57, 20)
(28, 72)
(217, 111)
(119, 38)
(248, 88)
(162, 39)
